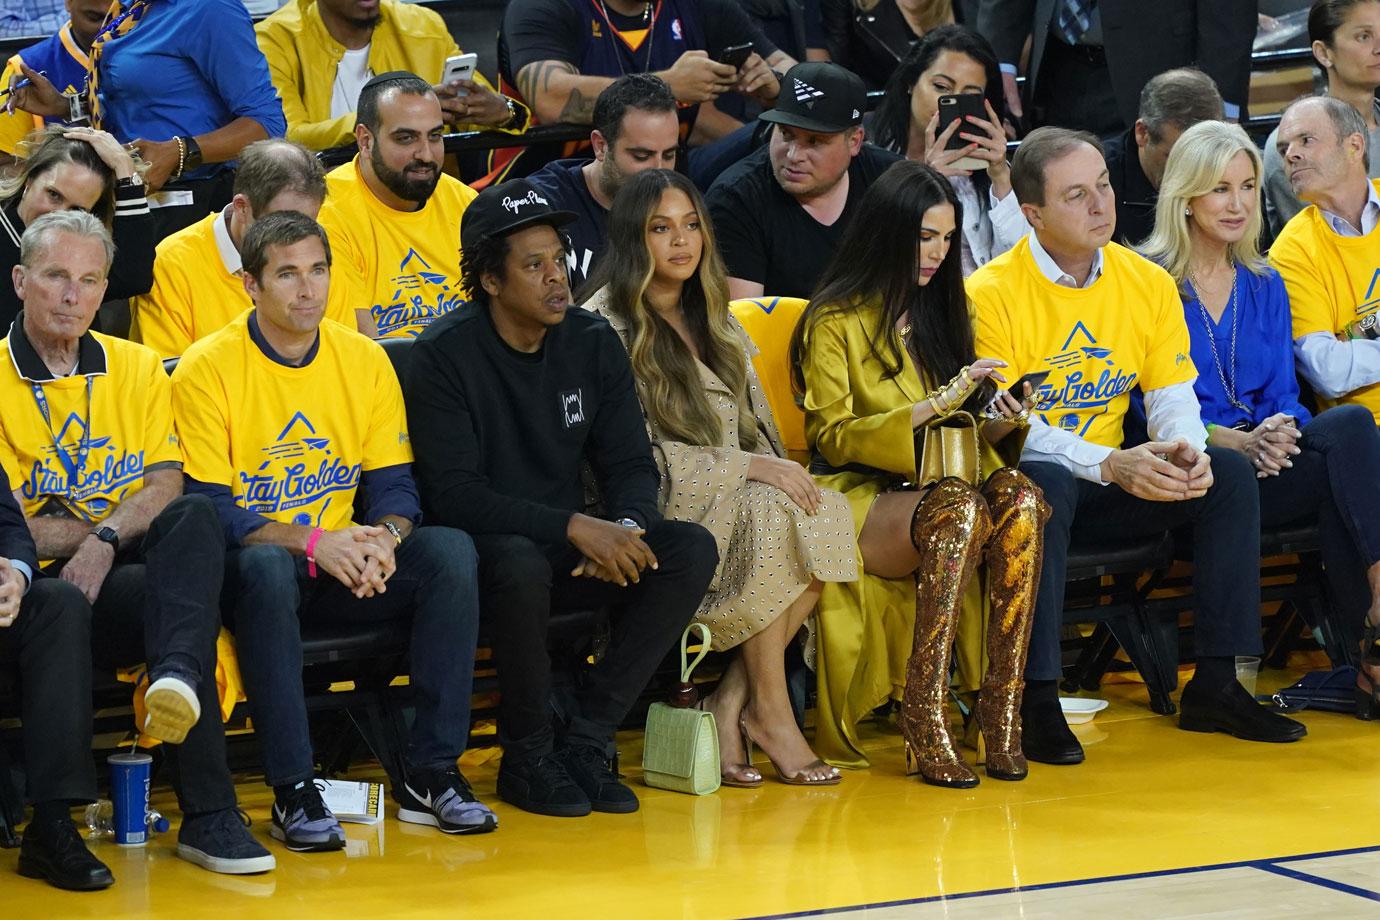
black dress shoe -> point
(56, 853)
(1045, 735)
(1231, 709)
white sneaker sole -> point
(428, 819)
(172, 710)
(227, 866)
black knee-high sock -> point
(1215, 671)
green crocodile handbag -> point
(680, 749)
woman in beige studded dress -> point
(662, 286)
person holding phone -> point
(321, 53)
(954, 69)
(884, 350)
(1237, 309)
(1103, 320)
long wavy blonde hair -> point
(667, 378)
(1195, 167)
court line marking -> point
(1320, 881)
(1270, 864)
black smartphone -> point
(1034, 379)
(953, 107)
(736, 55)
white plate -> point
(1078, 710)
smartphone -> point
(736, 55)
(957, 106)
(1034, 379)
(460, 67)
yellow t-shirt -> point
(290, 442)
(197, 289)
(130, 426)
(1098, 342)
(401, 266)
(1332, 281)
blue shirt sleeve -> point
(1280, 392)
(23, 566)
(237, 522)
(391, 490)
(226, 53)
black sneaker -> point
(56, 853)
(443, 800)
(304, 823)
(220, 842)
(542, 786)
(1232, 710)
(591, 770)
(1045, 734)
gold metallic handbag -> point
(948, 447)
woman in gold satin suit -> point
(888, 326)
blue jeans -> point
(1226, 549)
(267, 597)
(1334, 481)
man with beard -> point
(780, 212)
(635, 129)
(392, 217)
(321, 52)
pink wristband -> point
(311, 550)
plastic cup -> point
(1247, 669)
(129, 794)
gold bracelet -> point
(181, 157)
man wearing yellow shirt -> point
(393, 217)
(197, 287)
(1101, 320)
(87, 442)
(1329, 253)
(284, 420)
(321, 52)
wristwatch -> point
(107, 535)
(1367, 327)
(393, 529)
(628, 523)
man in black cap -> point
(508, 399)
(780, 213)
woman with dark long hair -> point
(81, 168)
(872, 354)
(663, 288)
(954, 60)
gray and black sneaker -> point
(443, 799)
(220, 842)
(593, 773)
(303, 822)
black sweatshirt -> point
(500, 436)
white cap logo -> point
(517, 204)
(806, 93)
(857, 114)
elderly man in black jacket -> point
(45, 635)
(507, 399)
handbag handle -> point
(685, 696)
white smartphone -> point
(460, 67)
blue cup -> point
(129, 794)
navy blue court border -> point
(1271, 865)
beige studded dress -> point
(769, 548)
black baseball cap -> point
(501, 209)
(819, 96)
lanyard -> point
(73, 467)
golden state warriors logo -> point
(1369, 302)
(1091, 380)
(300, 470)
(420, 297)
(89, 473)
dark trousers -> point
(1226, 552)
(268, 596)
(1074, 90)
(160, 604)
(521, 582)
(1333, 481)
(49, 646)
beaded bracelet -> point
(181, 157)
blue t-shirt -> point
(564, 182)
(61, 60)
(188, 67)
(1264, 367)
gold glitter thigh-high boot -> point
(949, 529)
(1014, 553)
